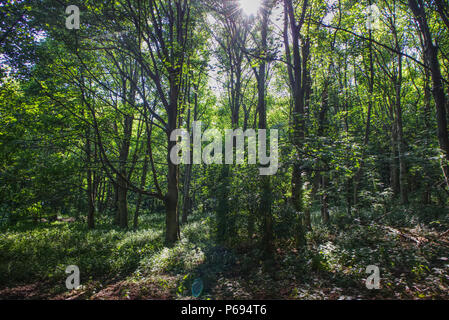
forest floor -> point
(413, 261)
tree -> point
(432, 62)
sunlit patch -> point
(250, 7)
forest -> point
(224, 149)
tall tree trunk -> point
(171, 197)
(265, 192)
(296, 77)
(401, 144)
(149, 129)
(90, 187)
(171, 203)
(358, 175)
(431, 59)
(122, 186)
(321, 132)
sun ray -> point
(250, 7)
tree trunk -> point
(431, 59)
(358, 175)
(265, 205)
(122, 187)
(171, 204)
(297, 84)
(400, 131)
(90, 187)
(171, 198)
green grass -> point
(31, 253)
(332, 265)
(41, 253)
